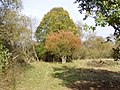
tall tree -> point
(55, 20)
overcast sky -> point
(37, 9)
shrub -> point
(116, 54)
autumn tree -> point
(105, 12)
(56, 19)
(62, 43)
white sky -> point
(37, 9)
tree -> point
(105, 12)
(62, 44)
(16, 36)
(55, 20)
(96, 48)
(5, 5)
(80, 28)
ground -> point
(76, 75)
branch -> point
(116, 28)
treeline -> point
(60, 39)
(96, 48)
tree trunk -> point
(63, 59)
(35, 53)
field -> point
(77, 75)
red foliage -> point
(63, 42)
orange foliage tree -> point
(62, 43)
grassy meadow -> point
(76, 75)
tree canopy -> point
(62, 44)
(56, 19)
(105, 12)
(5, 5)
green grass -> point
(39, 77)
(69, 76)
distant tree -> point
(96, 48)
(80, 26)
(105, 12)
(55, 20)
(62, 44)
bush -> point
(116, 54)
(80, 54)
